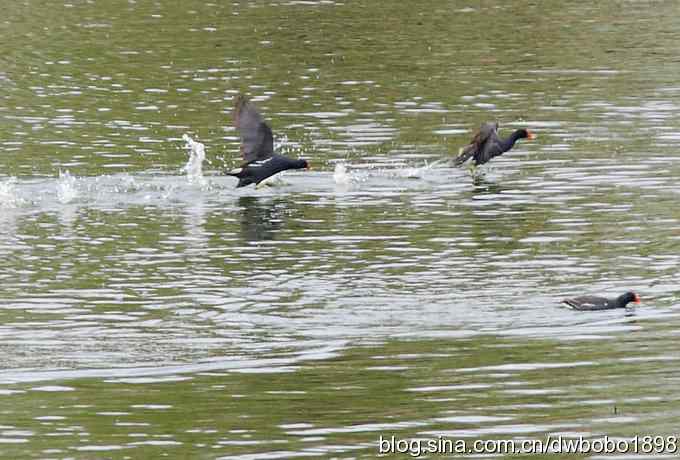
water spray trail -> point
(8, 196)
(194, 167)
(66, 187)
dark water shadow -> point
(261, 219)
(483, 185)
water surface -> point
(146, 312)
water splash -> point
(340, 175)
(194, 167)
(67, 190)
(286, 147)
(8, 196)
(127, 184)
(283, 146)
(418, 172)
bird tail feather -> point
(238, 172)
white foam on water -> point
(8, 194)
(418, 172)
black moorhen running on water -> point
(589, 302)
(257, 147)
(486, 144)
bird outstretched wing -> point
(257, 141)
(483, 144)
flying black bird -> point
(257, 147)
(486, 144)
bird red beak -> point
(637, 298)
(531, 136)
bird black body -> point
(589, 302)
(256, 172)
(486, 144)
(257, 147)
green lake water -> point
(147, 313)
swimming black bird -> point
(486, 144)
(257, 147)
(589, 302)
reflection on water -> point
(146, 313)
(260, 219)
(485, 185)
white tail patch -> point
(272, 181)
(236, 171)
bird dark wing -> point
(487, 131)
(484, 144)
(257, 142)
(491, 148)
(587, 302)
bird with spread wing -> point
(486, 144)
(257, 147)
